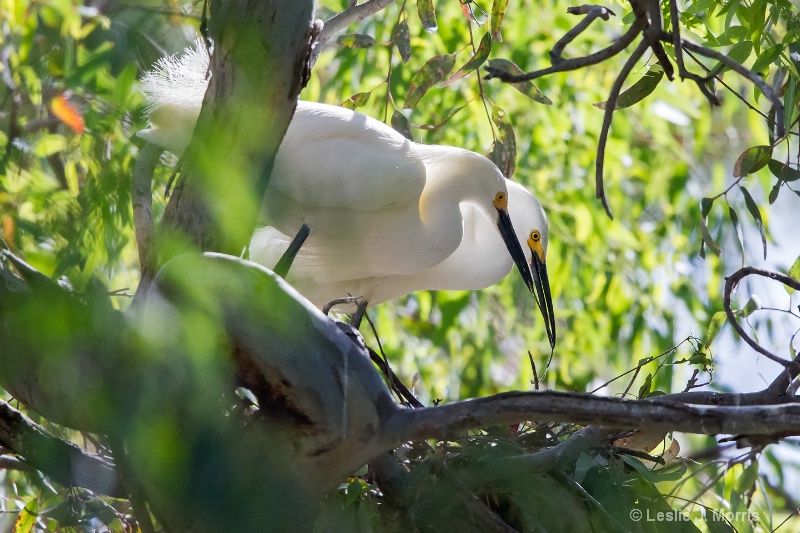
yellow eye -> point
(499, 197)
(535, 236)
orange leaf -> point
(66, 113)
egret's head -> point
(531, 224)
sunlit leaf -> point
(27, 517)
(756, 214)
(717, 320)
(431, 73)
(751, 160)
(638, 91)
(427, 15)
(66, 113)
(355, 40)
(357, 100)
(794, 273)
(477, 59)
(401, 124)
(49, 144)
(783, 172)
(402, 39)
(498, 11)
(525, 87)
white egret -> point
(388, 216)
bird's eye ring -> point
(499, 197)
(535, 236)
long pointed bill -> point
(543, 298)
(514, 247)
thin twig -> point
(611, 104)
(793, 367)
(757, 80)
(573, 64)
(591, 12)
(340, 21)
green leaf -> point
(751, 160)
(124, 83)
(355, 40)
(748, 478)
(752, 305)
(756, 214)
(402, 39)
(638, 91)
(794, 273)
(790, 98)
(766, 57)
(525, 87)
(705, 206)
(427, 15)
(401, 124)
(707, 238)
(773, 194)
(736, 227)
(717, 320)
(498, 11)
(739, 52)
(431, 73)
(478, 58)
(506, 155)
(49, 144)
(783, 171)
(357, 100)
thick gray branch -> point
(445, 421)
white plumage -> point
(388, 216)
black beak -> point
(543, 298)
(514, 248)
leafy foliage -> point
(626, 289)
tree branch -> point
(60, 460)
(792, 367)
(591, 12)
(142, 200)
(573, 64)
(340, 21)
(445, 421)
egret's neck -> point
(455, 176)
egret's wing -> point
(332, 157)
